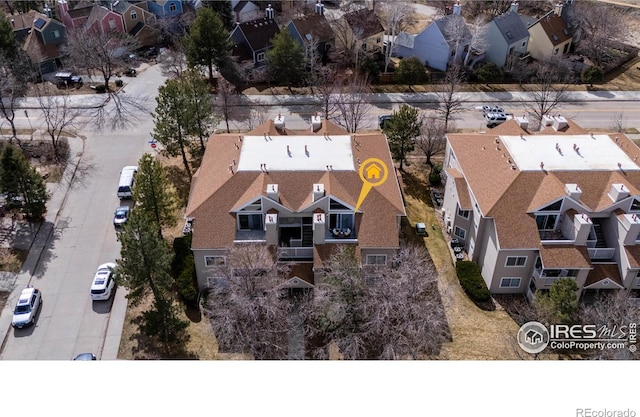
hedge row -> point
(471, 280)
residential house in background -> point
(104, 20)
(550, 36)
(252, 39)
(41, 40)
(531, 207)
(312, 31)
(360, 30)
(295, 192)
(508, 38)
(164, 8)
(137, 22)
(76, 17)
(244, 11)
(443, 42)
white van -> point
(127, 176)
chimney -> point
(560, 123)
(523, 122)
(457, 8)
(319, 7)
(631, 224)
(269, 11)
(318, 191)
(279, 122)
(558, 9)
(573, 191)
(618, 192)
(271, 227)
(316, 122)
(514, 7)
(319, 227)
(272, 192)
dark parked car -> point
(383, 119)
(67, 79)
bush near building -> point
(472, 281)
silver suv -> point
(29, 303)
(494, 119)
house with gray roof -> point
(507, 37)
(533, 206)
(252, 40)
(443, 42)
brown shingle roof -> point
(364, 23)
(315, 25)
(564, 256)
(603, 271)
(509, 195)
(23, 20)
(633, 254)
(215, 191)
(555, 27)
(461, 189)
(38, 51)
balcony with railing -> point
(248, 236)
(544, 278)
(297, 253)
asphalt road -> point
(83, 238)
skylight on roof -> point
(554, 37)
(509, 34)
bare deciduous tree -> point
(59, 117)
(226, 100)
(173, 61)
(548, 91)
(457, 35)
(327, 86)
(352, 104)
(479, 43)
(257, 116)
(432, 139)
(13, 87)
(92, 50)
(598, 27)
(448, 94)
(246, 306)
(386, 313)
(398, 17)
(612, 314)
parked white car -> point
(103, 282)
(29, 303)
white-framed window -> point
(260, 57)
(516, 261)
(56, 33)
(524, 44)
(376, 259)
(172, 7)
(461, 233)
(112, 24)
(463, 213)
(378, 40)
(134, 15)
(555, 51)
(215, 261)
(510, 282)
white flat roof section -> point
(568, 153)
(288, 153)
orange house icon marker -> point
(373, 171)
